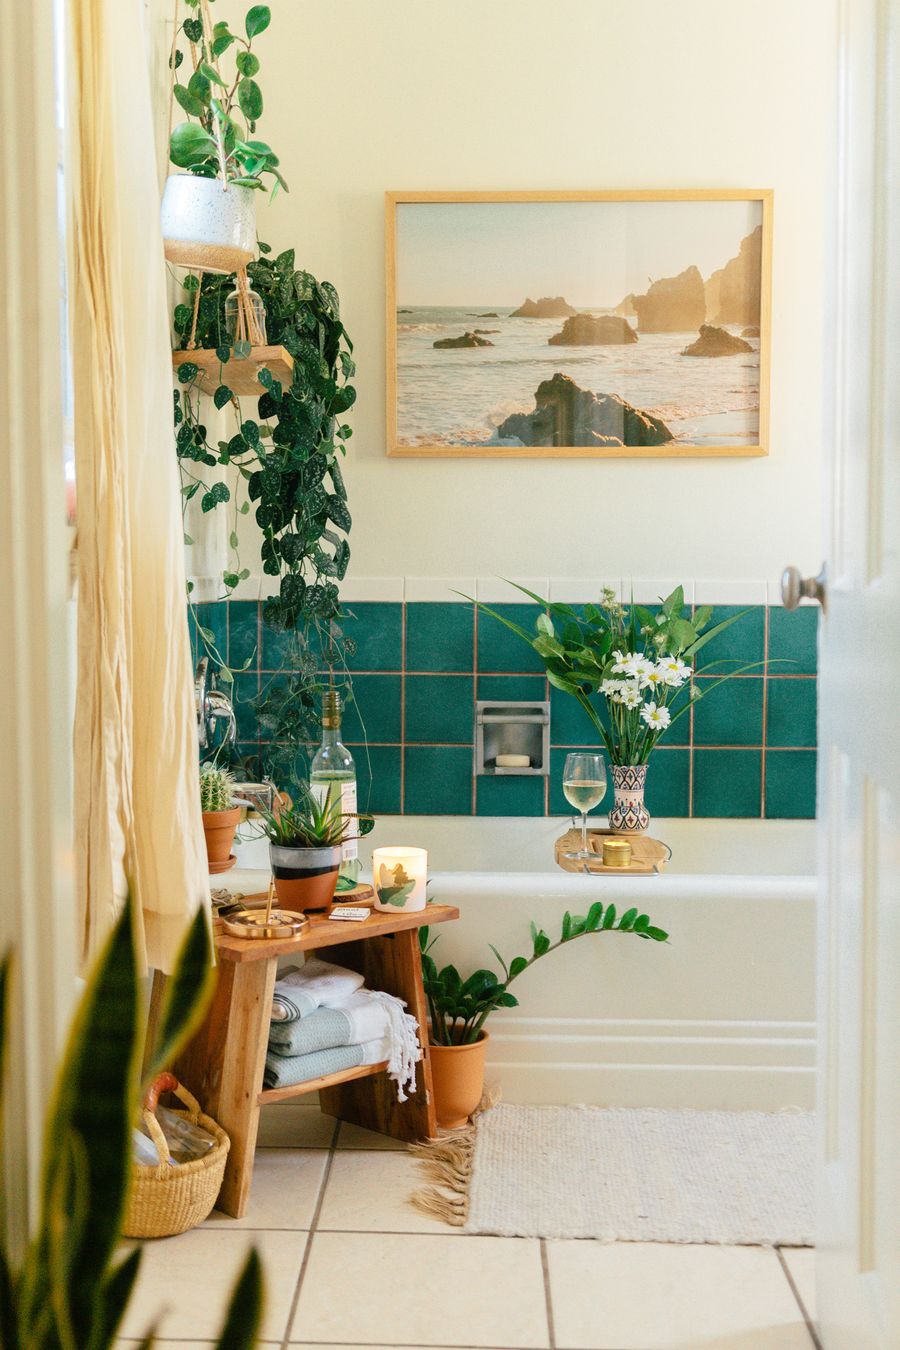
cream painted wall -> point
(366, 95)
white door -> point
(858, 1257)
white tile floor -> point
(349, 1262)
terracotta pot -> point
(457, 1075)
(219, 828)
(305, 878)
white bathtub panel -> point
(721, 1015)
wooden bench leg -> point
(391, 963)
(223, 1067)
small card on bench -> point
(351, 913)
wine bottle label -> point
(350, 850)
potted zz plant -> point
(208, 211)
(221, 815)
(631, 670)
(458, 1008)
(305, 848)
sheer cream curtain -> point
(138, 822)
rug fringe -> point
(448, 1161)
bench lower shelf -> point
(327, 1080)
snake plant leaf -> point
(114, 1296)
(188, 992)
(87, 1141)
(9, 1335)
(244, 1315)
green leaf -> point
(188, 992)
(258, 20)
(247, 63)
(517, 965)
(221, 43)
(190, 144)
(250, 99)
(217, 493)
(222, 396)
(233, 539)
(191, 282)
(594, 915)
(193, 106)
(187, 371)
(609, 918)
(658, 934)
(626, 922)
(566, 926)
(242, 1322)
(211, 74)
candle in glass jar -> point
(399, 875)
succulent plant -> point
(216, 788)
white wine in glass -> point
(584, 786)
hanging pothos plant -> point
(287, 461)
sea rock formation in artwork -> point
(547, 307)
(733, 292)
(565, 414)
(716, 342)
(487, 330)
(464, 340)
(491, 314)
(626, 308)
(752, 331)
(672, 304)
(586, 330)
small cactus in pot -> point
(220, 815)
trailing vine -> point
(284, 462)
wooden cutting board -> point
(648, 856)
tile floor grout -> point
(310, 1234)
(333, 1152)
(810, 1325)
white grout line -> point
(810, 1326)
(292, 1311)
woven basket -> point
(166, 1200)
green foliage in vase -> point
(223, 104)
(458, 1007)
(638, 661)
(216, 788)
(286, 453)
(72, 1289)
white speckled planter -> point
(206, 225)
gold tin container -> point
(616, 853)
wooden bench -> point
(223, 1064)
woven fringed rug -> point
(622, 1175)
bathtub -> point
(723, 1015)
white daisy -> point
(631, 698)
(641, 667)
(612, 687)
(622, 662)
(653, 679)
(655, 717)
(673, 670)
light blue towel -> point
(288, 1070)
(364, 1017)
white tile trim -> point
(438, 589)
(579, 591)
(362, 590)
(714, 592)
(650, 590)
(494, 590)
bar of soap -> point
(513, 762)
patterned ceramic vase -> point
(629, 815)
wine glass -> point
(584, 785)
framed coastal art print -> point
(578, 323)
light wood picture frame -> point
(542, 324)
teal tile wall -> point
(746, 749)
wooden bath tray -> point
(648, 856)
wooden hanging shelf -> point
(241, 376)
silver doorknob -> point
(795, 587)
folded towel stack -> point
(324, 1021)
